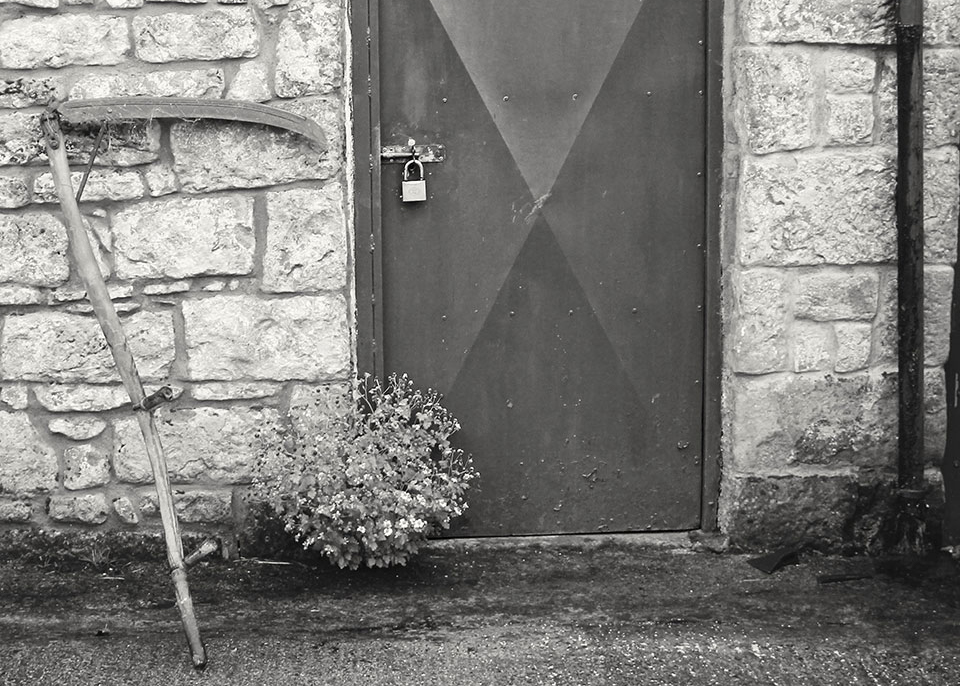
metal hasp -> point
(909, 210)
(398, 154)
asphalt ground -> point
(527, 611)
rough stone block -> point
(328, 112)
(235, 390)
(210, 443)
(237, 337)
(194, 507)
(775, 98)
(28, 91)
(813, 345)
(14, 192)
(15, 511)
(759, 333)
(853, 346)
(14, 395)
(52, 346)
(102, 184)
(193, 83)
(850, 72)
(34, 249)
(815, 21)
(218, 34)
(185, 237)
(306, 240)
(81, 397)
(941, 204)
(85, 509)
(764, 513)
(935, 415)
(781, 421)
(834, 208)
(849, 119)
(124, 4)
(251, 82)
(245, 155)
(941, 102)
(85, 466)
(33, 41)
(20, 138)
(126, 510)
(161, 179)
(826, 295)
(309, 59)
(77, 428)
(938, 293)
(27, 464)
(941, 22)
(12, 294)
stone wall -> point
(810, 402)
(225, 246)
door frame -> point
(368, 264)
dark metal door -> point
(552, 285)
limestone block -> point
(166, 288)
(102, 184)
(35, 41)
(938, 293)
(53, 346)
(47, 4)
(812, 419)
(308, 52)
(85, 509)
(77, 428)
(826, 295)
(194, 507)
(764, 513)
(184, 237)
(20, 138)
(306, 240)
(161, 179)
(853, 346)
(186, 83)
(239, 337)
(759, 334)
(328, 112)
(28, 91)
(85, 466)
(935, 414)
(941, 204)
(850, 72)
(775, 98)
(27, 464)
(235, 390)
(81, 397)
(124, 4)
(813, 345)
(941, 22)
(215, 34)
(213, 156)
(815, 21)
(126, 510)
(34, 249)
(251, 82)
(12, 294)
(13, 192)
(209, 443)
(834, 208)
(941, 102)
(14, 395)
(15, 511)
(849, 119)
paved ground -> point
(569, 611)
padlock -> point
(413, 190)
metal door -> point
(552, 284)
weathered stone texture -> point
(813, 346)
(20, 138)
(214, 156)
(85, 509)
(812, 209)
(235, 390)
(938, 292)
(12, 294)
(769, 513)
(52, 346)
(815, 21)
(941, 204)
(15, 511)
(941, 22)
(236, 337)
(14, 395)
(849, 72)
(185, 237)
(850, 120)
(941, 73)
(251, 82)
(309, 59)
(759, 335)
(77, 428)
(775, 97)
(34, 249)
(85, 466)
(33, 41)
(853, 346)
(328, 112)
(306, 240)
(830, 295)
(81, 397)
(14, 192)
(126, 510)
(196, 83)
(102, 184)
(194, 507)
(212, 35)
(812, 419)
(125, 144)
(27, 464)
(28, 91)
(210, 443)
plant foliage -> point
(370, 476)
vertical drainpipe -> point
(909, 209)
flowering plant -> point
(370, 476)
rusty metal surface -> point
(145, 107)
(552, 285)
